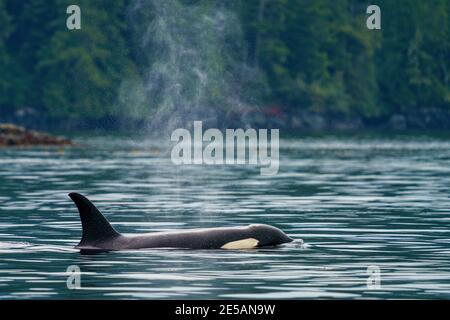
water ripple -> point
(356, 202)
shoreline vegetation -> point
(296, 65)
(270, 117)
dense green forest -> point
(299, 55)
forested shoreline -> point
(308, 64)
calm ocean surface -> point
(356, 202)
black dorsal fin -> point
(95, 226)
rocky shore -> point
(307, 121)
(295, 121)
(13, 135)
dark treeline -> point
(315, 57)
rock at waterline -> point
(12, 135)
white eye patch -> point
(241, 244)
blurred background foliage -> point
(308, 56)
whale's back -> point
(98, 234)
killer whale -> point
(99, 234)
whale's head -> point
(268, 235)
